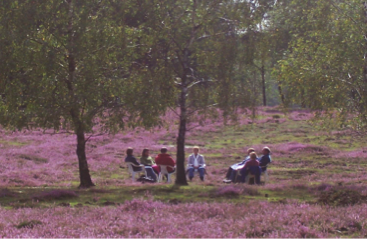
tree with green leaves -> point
(76, 65)
(198, 39)
(326, 65)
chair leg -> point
(168, 178)
(266, 177)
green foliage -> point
(62, 57)
(325, 66)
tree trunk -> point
(263, 85)
(85, 177)
(180, 154)
(282, 97)
(181, 178)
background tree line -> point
(73, 65)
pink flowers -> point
(146, 218)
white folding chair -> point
(163, 170)
(265, 173)
(132, 172)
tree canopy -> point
(105, 64)
(74, 65)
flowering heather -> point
(319, 178)
(142, 218)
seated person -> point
(251, 166)
(137, 167)
(165, 159)
(196, 162)
(149, 164)
(265, 158)
(232, 171)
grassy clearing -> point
(323, 157)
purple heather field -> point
(37, 158)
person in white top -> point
(196, 163)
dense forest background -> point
(105, 64)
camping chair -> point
(132, 172)
(163, 170)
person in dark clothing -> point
(251, 166)
(265, 159)
(137, 167)
(232, 171)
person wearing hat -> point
(265, 158)
(196, 162)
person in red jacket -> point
(165, 159)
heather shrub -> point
(56, 194)
(28, 224)
(340, 196)
(155, 219)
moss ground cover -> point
(319, 170)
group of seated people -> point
(196, 163)
(150, 166)
(252, 164)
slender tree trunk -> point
(263, 85)
(282, 97)
(85, 177)
(180, 154)
(254, 96)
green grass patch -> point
(12, 143)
